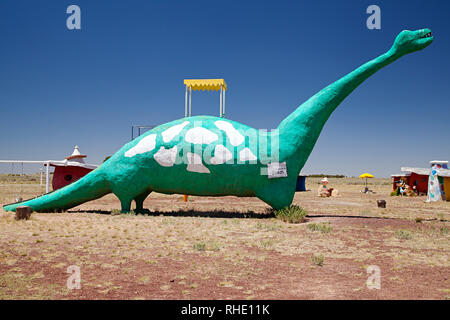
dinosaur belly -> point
(205, 156)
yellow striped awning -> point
(205, 84)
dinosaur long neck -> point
(301, 129)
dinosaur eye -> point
(68, 177)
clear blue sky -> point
(126, 66)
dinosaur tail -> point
(91, 186)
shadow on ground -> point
(222, 214)
(192, 213)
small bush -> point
(403, 234)
(317, 259)
(419, 220)
(115, 212)
(291, 214)
(214, 246)
(211, 246)
(266, 243)
(322, 227)
(199, 246)
(444, 230)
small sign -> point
(276, 170)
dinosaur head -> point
(411, 41)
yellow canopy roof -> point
(205, 84)
(366, 175)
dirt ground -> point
(230, 248)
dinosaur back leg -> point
(140, 200)
(125, 204)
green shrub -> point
(115, 212)
(403, 234)
(291, 214)
(199, 246)
(396, 192)
(213, 246)
(317, 259)
(322, 227)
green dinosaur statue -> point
(212, 156)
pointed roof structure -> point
(76, 155)
(76, 159)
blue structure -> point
(300, 183)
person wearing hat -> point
(323, 190)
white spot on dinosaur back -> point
(195, 163)
(221, 155)
(166, 157)
(247, 155)
(145, 145)
(200, 135)
(170, 133)
(235, 137)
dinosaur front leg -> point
(277, 195)
(125, 202)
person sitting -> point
(402, 190)
(323, 190)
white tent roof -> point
(438, 162)
(423, 171)
(443, 172)
(65, 163)
(426, 171)
(403, 174)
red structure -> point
(397, 177)
(413, 177)
(420, 181)
(70, 170)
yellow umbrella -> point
(366, 175)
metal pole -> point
(132, 132)
(190, 101)
(185, 102)
(47, 177)
(220, 104)
(223, 108)
(22, 170)
(40, 169)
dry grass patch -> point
(291, 214)
(317, 259)
(234, 248)
(403, 234)
(320, 227)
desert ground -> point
(229, 247)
